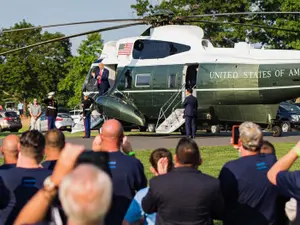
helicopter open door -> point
(112, 68)
(189, 79)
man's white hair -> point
(86, 194)
(251, 136)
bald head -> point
(10, 144)
(112, 129)
(111, 135)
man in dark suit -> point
(190, 113)
(185, 195)
(102, 77)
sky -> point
(42, 12)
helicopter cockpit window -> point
(153, 49)
(142, 80)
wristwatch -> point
(49, 185)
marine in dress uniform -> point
(51, 112)
(86, 107)
(190, 113)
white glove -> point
(291, 209)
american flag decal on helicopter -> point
(125, 49)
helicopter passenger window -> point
(142, 80)
(153, 49)
(172, 81)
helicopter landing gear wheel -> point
(151, 127)
(277, 131)
(286, 126)
(215, 129)
(182, 130)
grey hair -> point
(251, 136)
(86, 194)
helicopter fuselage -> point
(231, 84)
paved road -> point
(140, 142)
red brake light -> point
(7, 118)
(59, 119)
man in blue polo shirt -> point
(18, 185)
(249, 197)
(127, 172)
(161, 163)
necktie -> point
(100, 74)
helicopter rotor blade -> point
(243, 24)
(73, 23)
(71, 36)
(240, 14)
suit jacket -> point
(104, 79)
(184, 196)
(190, 106)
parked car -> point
(76, 115)
(289, 116)
(63, 122)
(10, 121)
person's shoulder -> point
(7, 166)
(141, 193)
(208, 179)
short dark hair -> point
(187, 152)
(189, 90)
(159, 153)
(55, 139)
(32, 144)
(270, 150)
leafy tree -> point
(79, 66)
(226, 34)
(32, 73)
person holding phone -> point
(249, 197)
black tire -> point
(182, 130)
(127, 129)
(277, 131)
(14, 131)
(215, 129)
(286, 126)
(143, 129)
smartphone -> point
(98, 159)
(235, 134)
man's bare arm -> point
(284, 163)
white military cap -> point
(51, 93)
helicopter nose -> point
(120, 109)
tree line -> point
(33, 73)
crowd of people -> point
(45, 180)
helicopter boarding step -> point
(172, 123)
(96, 119)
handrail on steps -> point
(171, 100)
